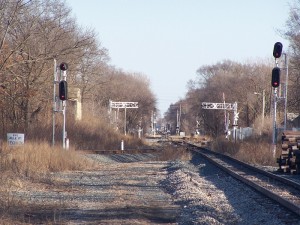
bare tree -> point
(38, 32)
(291, 32)
(35, 32)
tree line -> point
(35, 32)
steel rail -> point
(222, 162)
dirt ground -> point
(115, 193)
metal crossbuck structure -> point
(210, 105)
(122, 105)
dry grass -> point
(34, 159)
(254, 150)
(222, 145)
(89, 134)
(174, 153)
(256, 153)
(31, 162)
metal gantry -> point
(225, 106)
(122, 105)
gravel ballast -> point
(136, 189)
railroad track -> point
(119, 151)
(284, 191)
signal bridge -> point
(122, 105)
(225, 106)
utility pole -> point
(226, 119)
(178, 120)
(54, 102)
(286, 88)
(153, 123)
(263, 105)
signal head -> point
(63, 90)
(63, 66)
(275, 77)
(277, 50)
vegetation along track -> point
(284, 191)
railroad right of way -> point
(140, 189)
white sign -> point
(15, 139)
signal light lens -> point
(63, 66)
(275, 77)
(63, 90)
(277, 50)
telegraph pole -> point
(54, 102)
(153, 123)
(286, 88)
(263, 94)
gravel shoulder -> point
(137, 189)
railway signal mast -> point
(275, 82)
(61, 80)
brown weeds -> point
(174, 153)
(254, 150)
(33, 159)
(31, 162)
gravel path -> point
(130, 189)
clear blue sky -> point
(168, 40)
